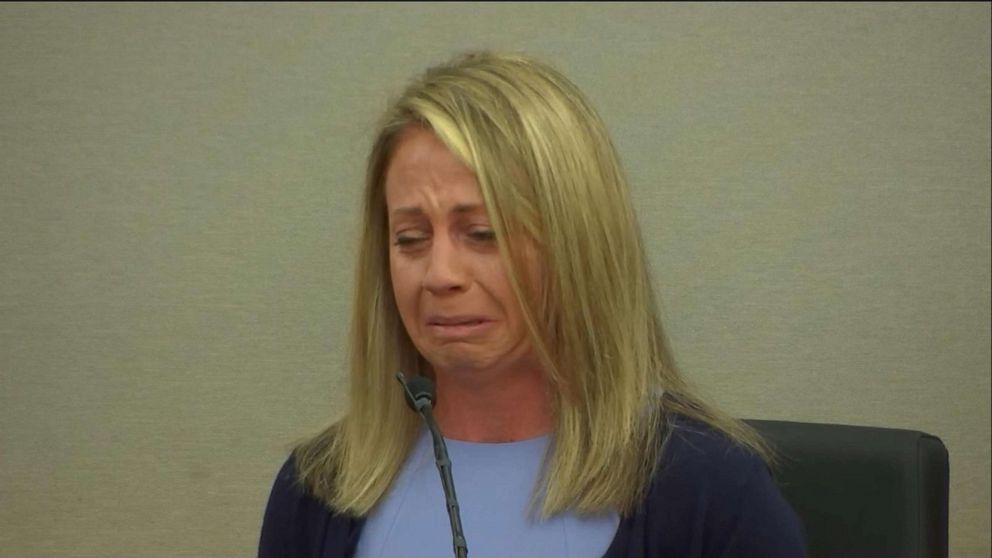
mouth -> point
(445, 321)
(458, 326)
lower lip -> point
(455, 331)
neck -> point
(493, 407)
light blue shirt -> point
(494, 483)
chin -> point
(457, 360)
(457, 364)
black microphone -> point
(419, 394)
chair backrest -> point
(863, 492)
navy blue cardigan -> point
(710, 498)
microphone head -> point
(418, 391)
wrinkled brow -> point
(416, 210)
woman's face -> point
(449, 281)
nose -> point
(445, 268)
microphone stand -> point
(419, 394)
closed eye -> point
(408, 241)
(482, 235)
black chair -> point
(863, 492)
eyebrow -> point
(459, 208)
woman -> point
(502, 259)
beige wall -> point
(178, 189)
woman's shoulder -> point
(695, 450)
(296, 524)
(712, 495)
(703, 468)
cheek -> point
(404, 288)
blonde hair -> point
(549, 174)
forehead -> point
(423, 169)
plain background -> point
(179, 189)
